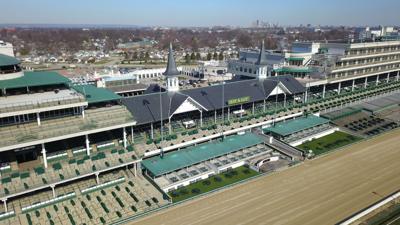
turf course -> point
(212, 183)
(327, 143)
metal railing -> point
(362, 74)
(63, 126)
(28, 105)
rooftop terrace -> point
(196, 154)
(296, 125)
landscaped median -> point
(327, 143)
(212, 183)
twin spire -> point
(171, 65)
(262, 58)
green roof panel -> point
(295, 125)
(195, 154)
(34, 79)
(6, 60)
(293, 70)
(295, 59)
(94, 94)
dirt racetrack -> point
(321, 191)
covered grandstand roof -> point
(296, 125)
(196, 154)
(146, 108)
(32, 79)
(94, 94)
(6, 60)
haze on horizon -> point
(188, 13)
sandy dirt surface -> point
(321, 191)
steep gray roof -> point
(262, 59)
(146, 108)
(294, 86)
(171, 66)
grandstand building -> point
(227, 100)
(55, 133)
(44, 118)
(327, 67)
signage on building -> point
(236, 101)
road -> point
(321, 191)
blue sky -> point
(201, 12)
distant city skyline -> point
(187, 13)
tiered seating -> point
(101, 204)
(94, 118)
(64, 168)
(370, 125)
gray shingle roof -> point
(146, 108)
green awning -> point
(94, 94)
(34, 79)
(295, 125)
(292, 70)
(6, 60)
(295, 59)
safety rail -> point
(29, 105)
(104, 185)
(48, 202)
(7, 215)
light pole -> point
(223, 106)
(276, 103)
(161, 128)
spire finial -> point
(262, 59)
(171, 65)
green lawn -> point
(212, 183)
(329, 142)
